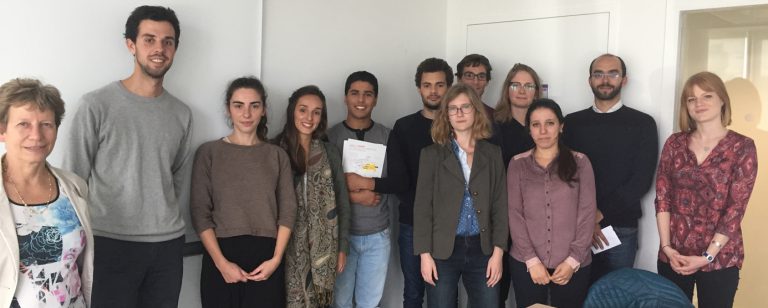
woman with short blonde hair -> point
(48, 253)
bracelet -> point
(665, 246)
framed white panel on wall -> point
(558, 48)
(78, 46)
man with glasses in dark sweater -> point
(622, 144)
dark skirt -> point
(248, 252)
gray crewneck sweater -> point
(365, 219)
(133, 151)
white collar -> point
(614, 108)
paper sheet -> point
(363, 158)
(613, 240)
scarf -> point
(317, 201)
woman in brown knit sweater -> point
(244, 206)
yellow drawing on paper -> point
(370, 167)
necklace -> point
(16, 189)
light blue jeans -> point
(365, 272)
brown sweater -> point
(242, 190)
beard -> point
(430, 106)
(154, 73)
(606, 96)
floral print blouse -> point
(707, 198)
(51, 239)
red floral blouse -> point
(706, 199)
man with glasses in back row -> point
(474, 70)
(622, 144)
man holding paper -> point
(622, 144)
(369, 240)
(410, 134)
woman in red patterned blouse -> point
(704, 181)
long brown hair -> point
(288, 139)
(503, 112)
(441, 126)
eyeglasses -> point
(528, 86)
(471, 75)
(600, 75)
(465, 109)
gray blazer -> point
(439, 194)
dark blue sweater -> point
(409, 135)
(623, 147)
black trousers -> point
(528, 293)
(714, 289)
(137, 274)
(248, 252)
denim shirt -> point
(468, 224)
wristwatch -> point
(708, 256)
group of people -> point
(512, 195)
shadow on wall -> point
(746, 114)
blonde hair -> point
(708, 82)
(442, 132)
(503, 111)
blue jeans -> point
(413, 284)
(617, 257)
(470, 264)
(365, 272)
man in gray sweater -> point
(369, 242)
(131, 141)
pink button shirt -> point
(550, 221)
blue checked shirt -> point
(468, 225)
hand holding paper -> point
(613, 240)
(363, 158)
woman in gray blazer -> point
(460, 211)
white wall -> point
(322, 42)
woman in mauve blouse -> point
(705, 177)
(551, 214)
